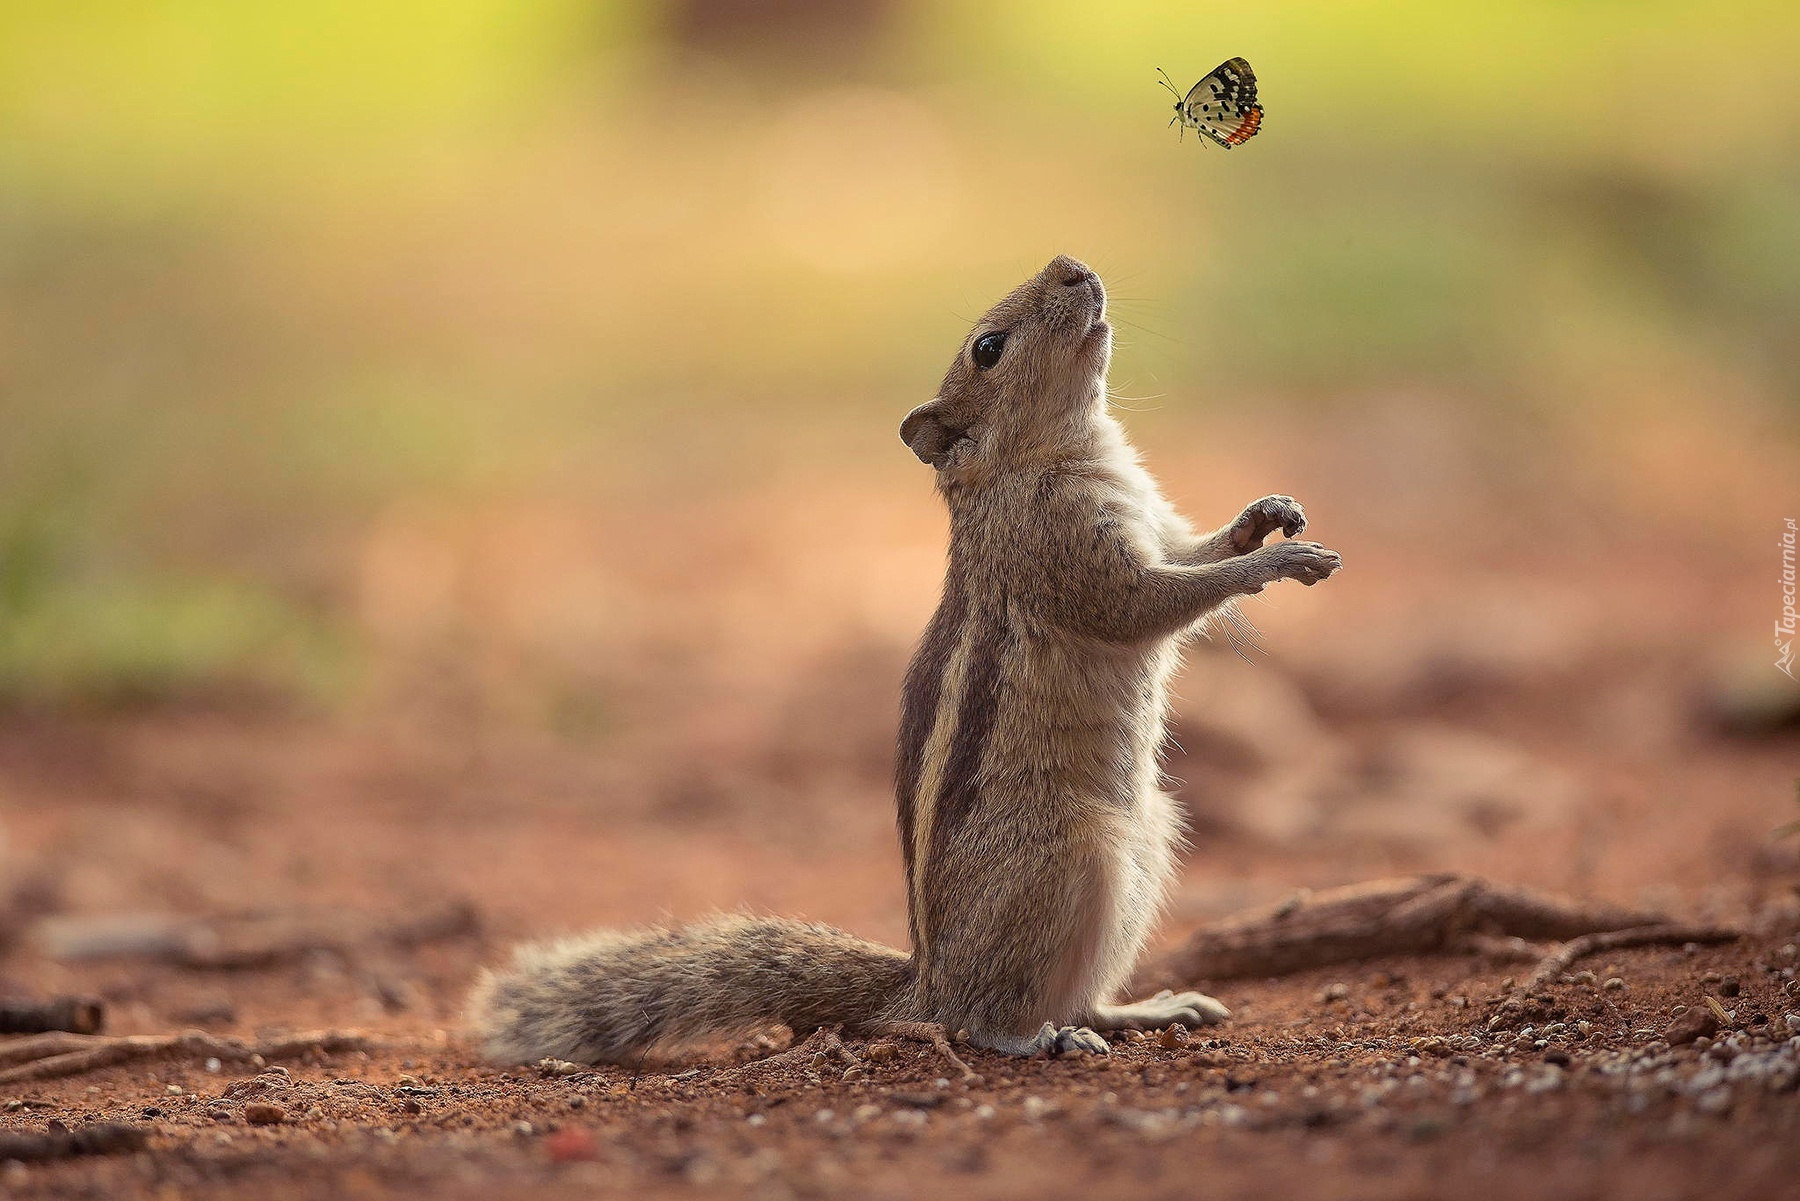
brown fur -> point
(1038, 843)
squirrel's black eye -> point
(987, 350)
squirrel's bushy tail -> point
(610, 996)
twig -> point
(249, 939)
(1414, 915)
(100, 1138)
(48, 1056)
(80, 1015)
(926, 1032)
(1559, 960)
(1502, 948)
(822, 1041)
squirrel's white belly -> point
(1100, 736)
(1149, 830)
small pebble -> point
(1692, 1026)
(264, 1113)
(1172, 1037)
(1613, 984)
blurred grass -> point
(76, 637)
(266, 272)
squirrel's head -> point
(1030, 378)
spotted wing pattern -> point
(1223, 105)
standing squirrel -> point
(1038, 843)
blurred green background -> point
(275, 280)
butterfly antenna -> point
(1166, 82)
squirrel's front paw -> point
(1261, 518)
(1307, 562)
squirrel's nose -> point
(1070, 273)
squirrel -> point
(1037, 840)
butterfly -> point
(1222, 106)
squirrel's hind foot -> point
(1191, 1009)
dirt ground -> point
(1511, 713)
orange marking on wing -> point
(1247, 130)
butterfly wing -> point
(1223, 105)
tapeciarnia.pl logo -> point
(1784, 627)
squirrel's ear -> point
(926, 432)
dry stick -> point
(80, 1015)
(249, 940)
(101, 1138)
(48, 1056)
(926, 1032)
(1503, 948)
(826, 1042)
(1559, 960)
(1413, 915)
(822, 1041)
